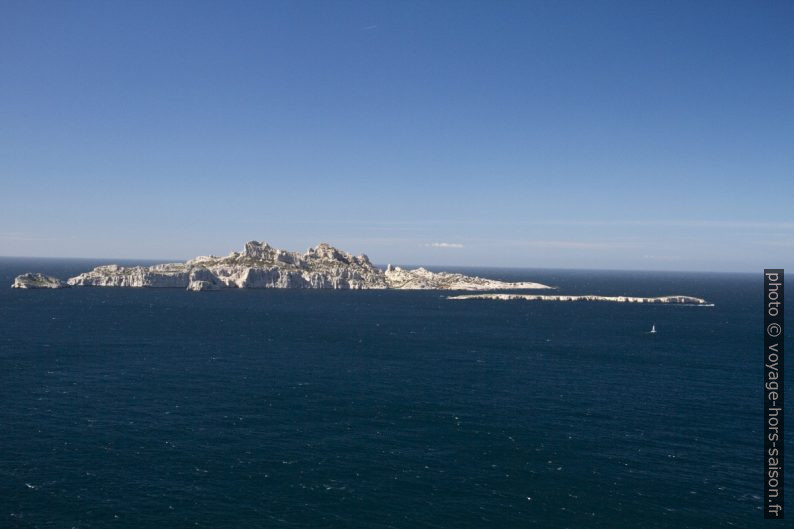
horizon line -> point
(404, 265)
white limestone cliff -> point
(259, 265)
(423, 279)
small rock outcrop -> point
(37, 281)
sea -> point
(149, 408)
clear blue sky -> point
(638, 135)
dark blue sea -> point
(148, 408)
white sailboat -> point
(653, 330)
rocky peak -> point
(257, 250)
(326, 252)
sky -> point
(559, 134)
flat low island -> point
(669, 300)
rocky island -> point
(37, 281)
(669, 300)
(259, 265)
